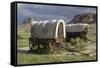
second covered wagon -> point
(76, 30)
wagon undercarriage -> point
(42, 45)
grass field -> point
(35, 58)
(31, 58)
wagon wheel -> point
(84, 32)
(40, 48)
(33, 46)
(50, 46)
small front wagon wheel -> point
(51, 47)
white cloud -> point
(47, 11)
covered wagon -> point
(46, 34)
(76, 30)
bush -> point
(76, 44)
(73, 41)
(80, 45)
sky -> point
(49, 12)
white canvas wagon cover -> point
(48, 29)
(75, 27)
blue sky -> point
(49, 12)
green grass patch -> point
(51, 58)
(22, 43)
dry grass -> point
(78, 44)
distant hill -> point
(88, 18)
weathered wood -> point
(60, 40)
(44, 44)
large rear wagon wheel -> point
(33, 45)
